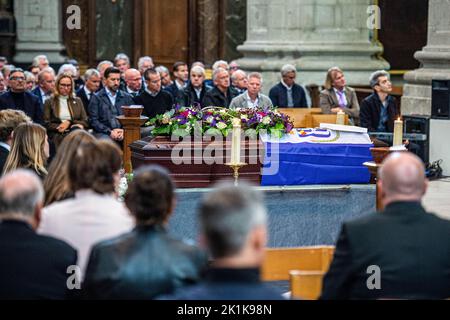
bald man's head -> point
(402, 178)
(133, 79)
(21, 193)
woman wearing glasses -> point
(64, 112)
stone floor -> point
(437, 199)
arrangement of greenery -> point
(185, 121)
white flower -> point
(210, 119)
(221, 125)
(266, 120)
(123, 187)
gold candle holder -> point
(236, 167)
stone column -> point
(39, 25)
(435, 59)
(314, 35)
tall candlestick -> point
(398, 133)
(236, 142)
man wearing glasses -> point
(288, 94)
(18, 98)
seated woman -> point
(146, 262)
(95, 213)
(338, 97)
(57, 184)
(64, 111)
(29, 150)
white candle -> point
(236, 142)
(398, 133)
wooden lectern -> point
(132, 132)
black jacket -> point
(82, 95)
(369, 114)
(410, 246)
(178, 96)
(215, 98)
(3, 156)
(279, 97)
(33, 266)
(191, 95)
(154, 105)
(32, 105)
(141, 264)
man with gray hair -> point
(252, 98)
(288, 94)
(145, 63)
(32, 266)
(239, 81)
(46, 85)
(222, 94)
(91, 85)
(379, 110)
(196, 89)
(41, 61)
(233, 222)
(401, 252)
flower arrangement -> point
(185, 121)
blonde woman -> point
(57, 184)
(64, 111)
(338, 96)
(29, 150)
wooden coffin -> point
(198, 164)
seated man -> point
(154, 100)
(288, 94)
(32, 266)
(234, 228)
(379, 110)
(252, 98)
(19, 99)
(338, 97)
(221, 95)
(239, 81)
(196, 88)
(177, 88)
(401, 252)
(146, 262)
(106, 105)
(133, 79)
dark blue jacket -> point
(32, 106)
(102, 114)
(229, 284)
(278, 95)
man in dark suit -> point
(379, 110)
(288, 94)
(90, 87)
(46, 85)
(234, 227)
(222, 94)
(32, 266)
(399, 253)
(19, 99)
(176, 89)
(197, 88)
(9, 120)
(106, 105)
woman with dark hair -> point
(57, 184)
(64, 111)
(29, 150)
(94, 214)
(146, 262)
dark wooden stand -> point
(132, 132)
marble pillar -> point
(39, 30)
(314, 35)
(435, 60)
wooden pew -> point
(306, 285)
(300, 116)
(317, 119)
(280, 261)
